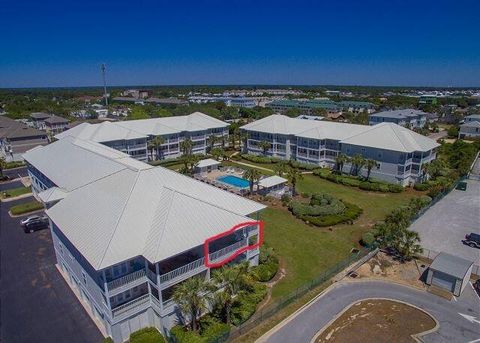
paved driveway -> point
(446, 223)
(453, 327)
(36, 303)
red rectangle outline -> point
(239, 251)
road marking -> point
(471, 319)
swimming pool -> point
(234, 181)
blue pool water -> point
(234, 181)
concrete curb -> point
(416, 337)
(24, 214)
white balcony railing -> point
(138, 276)
(197, 266)
(227, 250)
(135, 304)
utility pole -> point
(103, 67)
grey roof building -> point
(449, 272)
(16, 138)
(410, 118)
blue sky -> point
(62, 43)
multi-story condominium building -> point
(16, 138)
(471, 127)
(409, 118)
(126, 233)
(357, 106)
(132, 137)
(399, 152)
(56, 124)
(331, 107)
(306, 106)
(38, 119)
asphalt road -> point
(453, 327)
(36, 305)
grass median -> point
(14, 192)
(26, 207)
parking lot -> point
(36, 303)
(445, 224)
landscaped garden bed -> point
(233, 295)
(358, 181)
(325, 210)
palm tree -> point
(293, 176)
(217, 152)
(243, 137)
(190, 297)
(408, 244)
(3, 165)
(340, 161)
(369, 164)
(155, 144)
(264, 145)
(186, 146)
(189, 163)
(252, 175)
(357, 164)
(280, 168)
(211, 141)
(230, 280)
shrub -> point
(246, 304)
(394, 188)
(260, 159)
(181, 335)
(147, 335)
(368, 239)
(108, 340)
(285, 199)
(322, 172)
(265, 272)
(351, 213)
(422, 186)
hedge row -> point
(260, 159)
(211, 330)
(354, 181)
(351, 213)
(264, 272)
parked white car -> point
(30, 219)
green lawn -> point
(307, 251)
(15, 192)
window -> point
(84, 277)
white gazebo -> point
(207, 165)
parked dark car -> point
(36, 225)
(473, 240)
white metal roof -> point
(154, 212)
(399, 114)
(387, 136)
(207, 163)
(271, 181)
(134, 129)
(390, 136)
(52, 194)
(72, 162)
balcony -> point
(126, 282)
(197, 138)
(123, 311)
(197, 266)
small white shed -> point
(271, 183)
(449, 272)
(207, 165)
